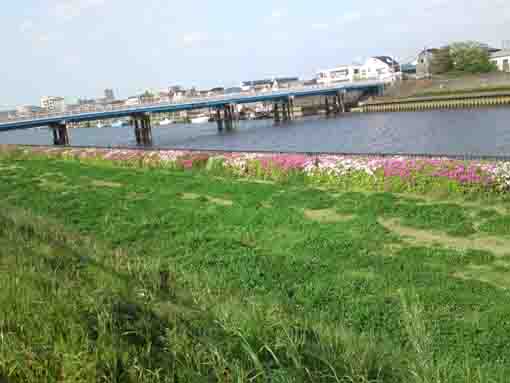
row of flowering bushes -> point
(374, 173)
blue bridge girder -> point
(212, 102)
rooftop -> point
(387, 60)
(502, 53)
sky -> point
(77, 48)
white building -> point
(380, 68)
(27, 110)
(53, 104)
(339, 74)
(502, 60)
(131, 101)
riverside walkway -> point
(224, 105)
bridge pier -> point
(291, 107)
(60, 134)
(142, 127)
(340, 102)
(276, 112)
(229, 116)
(328, 109)
(219, 120)
(287, 110)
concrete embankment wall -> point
(430, 103)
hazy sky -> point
(76, 48)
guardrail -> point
(186, 101)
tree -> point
(471, 56)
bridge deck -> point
(192, 104)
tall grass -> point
(139, 284)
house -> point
(53, 104)
(6, 115)
(29, 110)
(502, 60)
(131, 101)
(176, 93)
(286, 82)
(380, 68)
(311, 82)
(256, 85)
(216, 91)
(433, 61)
(269, 84)
(341, 73)
(163, 96)
(233, 90)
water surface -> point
(453, 132)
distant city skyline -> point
(78, 48)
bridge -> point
(283, 107)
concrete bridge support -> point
(60, 134)
(276, 112)
(326, 103)
(219, 120)
(143, 129)
(339, 103)
(229, 116)
(283, 110)
(291, 107)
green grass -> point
(129, 275)
(454, 92)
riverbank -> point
(426, 175)
(444, 100)
(160, 273)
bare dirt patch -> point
(135, 195)
(432, 200)
(10, 167)
(53, 185)
(495, 245)
(256, 181)
(106, 184)
(189, 196)
(218, 201)
(485, 274)
(326, 216)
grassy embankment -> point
(131, 275)
(459, 92)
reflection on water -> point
(477, 132)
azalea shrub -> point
(381, 173)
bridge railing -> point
(182, 101)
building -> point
(343, 73)
(28, 110)
(287, 82)
(176, 93)
(218, 91)
(131, 101)
(425, 62)
(257, 85)
(502, 60)
(85, 101)
(53, 104)
(108, 95)
(269, 84)
(6, 115)
(380, 68)
(233, 90)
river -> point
(476, 132)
